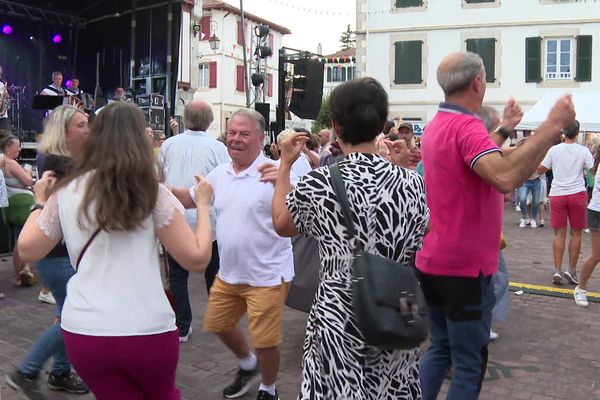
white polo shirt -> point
(250, 251)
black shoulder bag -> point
(388, 302)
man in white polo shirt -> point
(193, 152)
(256, 264)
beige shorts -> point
(228, 303)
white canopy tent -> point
(587, 107)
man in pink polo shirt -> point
(465, 175)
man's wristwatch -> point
(505, 133)
(36, 206)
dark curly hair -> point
(360, 108)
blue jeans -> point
(500, 282)
(55, 273)
(178, 284)
(460, 313)
(534, 186)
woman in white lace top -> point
(118, 326)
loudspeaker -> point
(265, 110)
(307, 88)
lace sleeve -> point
(48, 220)
(166, 206)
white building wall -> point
(444, 25)
(225, 99)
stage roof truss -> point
(14, 9)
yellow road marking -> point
(550, 289)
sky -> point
(311, 21)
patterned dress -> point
(390, 213)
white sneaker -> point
(184, 339)
(580, 296)
(494, 335)
(541, 222)
(518, 208)
(47, 298)
(523, 223)
(533, 223)
(586, 230)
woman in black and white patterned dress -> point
(391, 215)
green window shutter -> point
(533, 59)
(408, 62)
(583, 69)
(408, 3)
(486, 48)
(480, 1)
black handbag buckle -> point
(407, 306)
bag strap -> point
(85, 247)
(340, 192)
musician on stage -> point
(55, 88)
(74, 89)
(4, 102)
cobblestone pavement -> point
(546, 349)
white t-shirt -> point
(188, 154)
(250, 252)
(567, 162)
(595, 201)
(118, 289)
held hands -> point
(399, 153)
(174, 126)
(268, 172)
(512, 115)
(43, 187)
(203, 191)
(291, 147)
(563, 113)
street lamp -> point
(214, 42)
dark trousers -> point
(178, 283)
(460, 313)
(4, 124)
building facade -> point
(217, 76)
(339, 68)
(529, 48)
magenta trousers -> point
(126, 367)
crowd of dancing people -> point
(233, 209)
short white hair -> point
(285, 134)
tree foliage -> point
(323, 119)
(348, 39)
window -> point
(558, 58)
(479, 1)
(486, 48)
(207, 75)
(408, 62)
(336, 74)
(240, 85)
(203, 75)
(204, 28)
(408, 3)
(584, 58)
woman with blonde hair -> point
(65, 131)
(117, 323)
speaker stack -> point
(153, 106)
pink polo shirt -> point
(466, 211)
